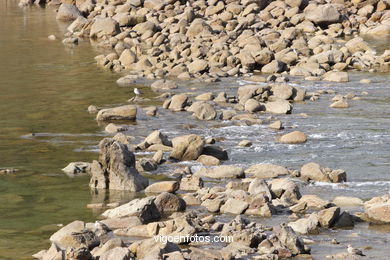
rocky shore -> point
(191, 203)
(213, 39)
(207, 40)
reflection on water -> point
(45, 88)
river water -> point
(45, 89)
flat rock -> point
(220, 172)
(144, 208)
(127, 112)
(266, 170)
(162, 186)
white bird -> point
(354, 251)
(137, 92)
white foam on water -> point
(351, 184)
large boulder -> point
(248, 91)
(127, 58)
(178, 102)
(198, 26)
(104, 27)
(274, 66)
(258, 186)
(191, 183)
(289, 239)
(282, 91)
(234, 206)
(68, 12)
(306, 225)
(313, 171)
(379, 212)
(203, 110)
(197, 66)
(145, 209)
(75, 226)
(323, 15)
(328, 217)
(127, 112)
(336, 76)
(187, 147)
(252, 105)
(168, 203)
(116, 168)
(162, 85)
(266, 170)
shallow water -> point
(46, 88)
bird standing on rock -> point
(137, 92)
(354, 251)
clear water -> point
(45, 88)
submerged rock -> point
(76, 168)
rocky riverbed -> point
(205, 161)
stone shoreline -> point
(209, 40)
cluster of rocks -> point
(261, 190)
(212, 39)
(142, 218)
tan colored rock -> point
(313, 171)
(245, 143)
(296, 137)
(208, 160)
(276, 125)
(197, 66)
(342, 201)
(340, 104)
(379, 212)
(205, 97)
(234, 206)
(266, 171)
(187, 147)
(178, 102)
(104, 27)
(68, 12)
(278, 107)
(191, 183)
(336, 76)
(323, 15)
(221, 172)
(162, 186)
(127, 58)
(127, 112)
(328, 217)
(203, 110)
(282, 91)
